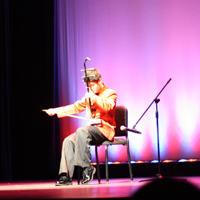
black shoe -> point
(63, 181)
(88, 175)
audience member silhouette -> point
(168, 188)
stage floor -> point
(117, 188)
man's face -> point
(95, 86)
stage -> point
(117, 188)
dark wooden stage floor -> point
(117, 188)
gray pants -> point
(76, 148)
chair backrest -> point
(121, 118)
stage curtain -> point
(29, 138)
(5, 136)
(137, 46)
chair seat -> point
(116, 141)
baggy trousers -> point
(76, 148)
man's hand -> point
(90, 95)
(51, 111)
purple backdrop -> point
(137, 46)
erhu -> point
(86, 78)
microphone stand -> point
(156, 101)
(152, 103)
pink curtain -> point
(137, 46)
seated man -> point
(76, 147)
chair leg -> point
(79, 169)
(106, 147)
(97, 160)
(129, 162)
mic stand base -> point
(157, 178)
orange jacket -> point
(103, 107)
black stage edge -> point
(169, 170)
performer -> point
(76, 147)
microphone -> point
(123, 128)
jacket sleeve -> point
(71, 109)
(107, 101)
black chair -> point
(121, 118)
